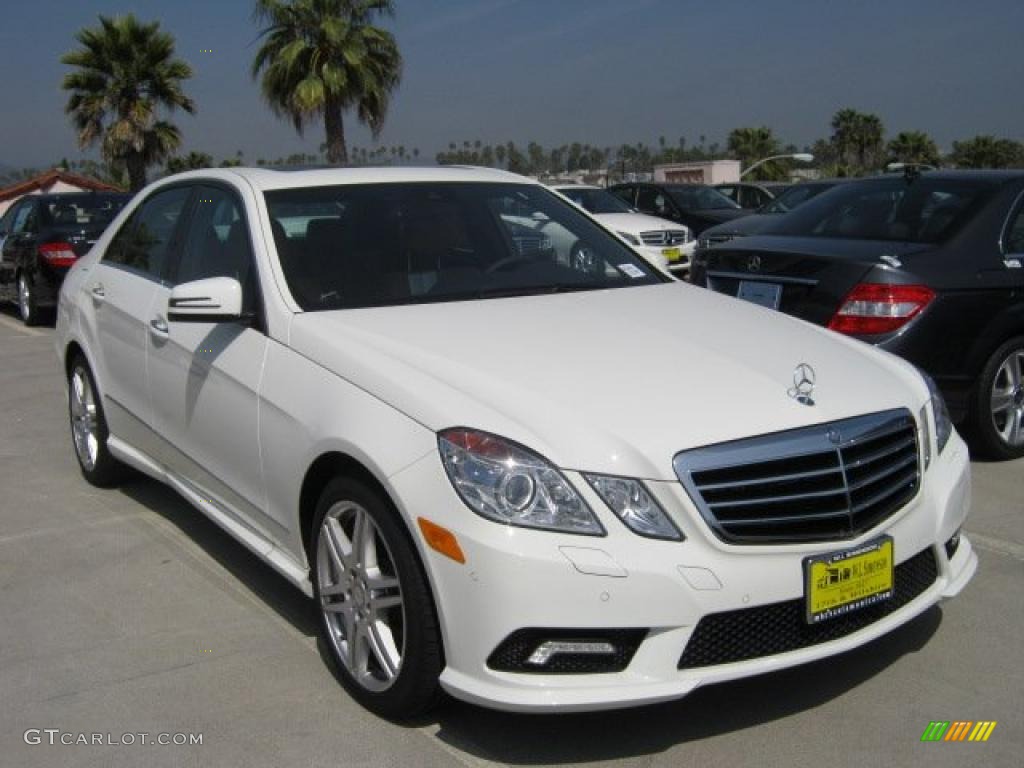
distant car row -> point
(41, 236)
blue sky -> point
(597, 71)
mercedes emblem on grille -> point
(804, 380)
(754, 263)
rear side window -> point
(1013, 240)
(143, 243)
(920, 210)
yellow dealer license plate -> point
(672, 254)
(841, 582)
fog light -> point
(546, 650)
(953, 544)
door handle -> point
(98, 292)
(158, 326)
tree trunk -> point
(337, 152)
(136, 165)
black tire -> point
(106, 471)
(415, 688)
(28, 309)
(982, 422)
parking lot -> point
(126, 612)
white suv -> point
(662, 242)
(535, 482)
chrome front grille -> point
(665, 237)
(827, 482)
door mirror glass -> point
(211, 300)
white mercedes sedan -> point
(535, 482)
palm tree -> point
(988, 152)
(913, 147)
(752, 144)
(857, 137)
(320, 58)
(125, 72)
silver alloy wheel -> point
(84, 421)
(24, 298)
(1007, 399)
(360, 596)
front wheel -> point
(998, 408)
(377, 615)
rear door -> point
(204, 376)
(120, 291)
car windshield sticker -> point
(632, 270)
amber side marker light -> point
(441, 540)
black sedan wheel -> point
(999, 405)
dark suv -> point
(43, 235)
(928, 266)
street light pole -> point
(803, 157)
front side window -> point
(144, 242)
(625, 194)
(1013, 241)
(369, 245)
(217, 243)
(919, 210)
(652, 200)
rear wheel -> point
(89, 431)
(27, 307)
(376, 614)
(998, 408)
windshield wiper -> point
(537, 290)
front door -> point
(204, 377)
(121, 288)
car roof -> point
(289, 178)
(963, 174)
(56, 197)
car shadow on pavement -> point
(590, 737)
(252, 573)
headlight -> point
(634, 506)
(940, 414)
(631, 239)
(507, 483)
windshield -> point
(694, 197)
(595, 200)
(794, 196)
(921, 210)
(89, 211)
(371, 245)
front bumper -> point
(516, 578)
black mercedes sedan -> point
(698, 206)
(793, 196)
(43, 235)
(929, 266)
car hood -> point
(722, 214)
(614, 381)
(635, 223)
